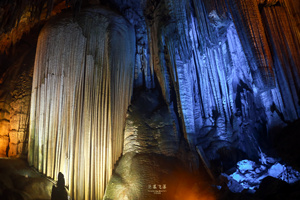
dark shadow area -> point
(59, 192)
(18, 181)
(287, 144)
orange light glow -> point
(25, 25)
(187, 186)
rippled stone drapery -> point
(232, 78)
(82, 86)
(247, 18)
(285, 44)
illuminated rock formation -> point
(285, 46)
(228, 72)
(15, 91)
(224, 62)
(156, 163)
(82, 85)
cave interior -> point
(149, 99)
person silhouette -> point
(59, 192)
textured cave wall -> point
(228, 70)
(16, 81)
(247, 18)
(285, 46)
(155, 157)
(233, 66)
(82, 85)
(19, 18)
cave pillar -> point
(82, 86)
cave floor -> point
(18, 181)
(21, 182)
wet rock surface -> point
(249, 174)
(18, 181)
(150, 128)
(156, 163)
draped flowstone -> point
(233, 70)
(82, 86)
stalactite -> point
(82, 86)
(285, 44)
(247, 19)
(292, 7)
(212, 73)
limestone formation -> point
(228, 72)
(82, 85)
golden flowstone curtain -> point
(82, 86)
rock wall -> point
(15, 94)
(156, 162)
(222, 59)
(228, 72)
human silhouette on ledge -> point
(59, 192)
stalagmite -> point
(82, 86)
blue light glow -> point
(250, 174)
